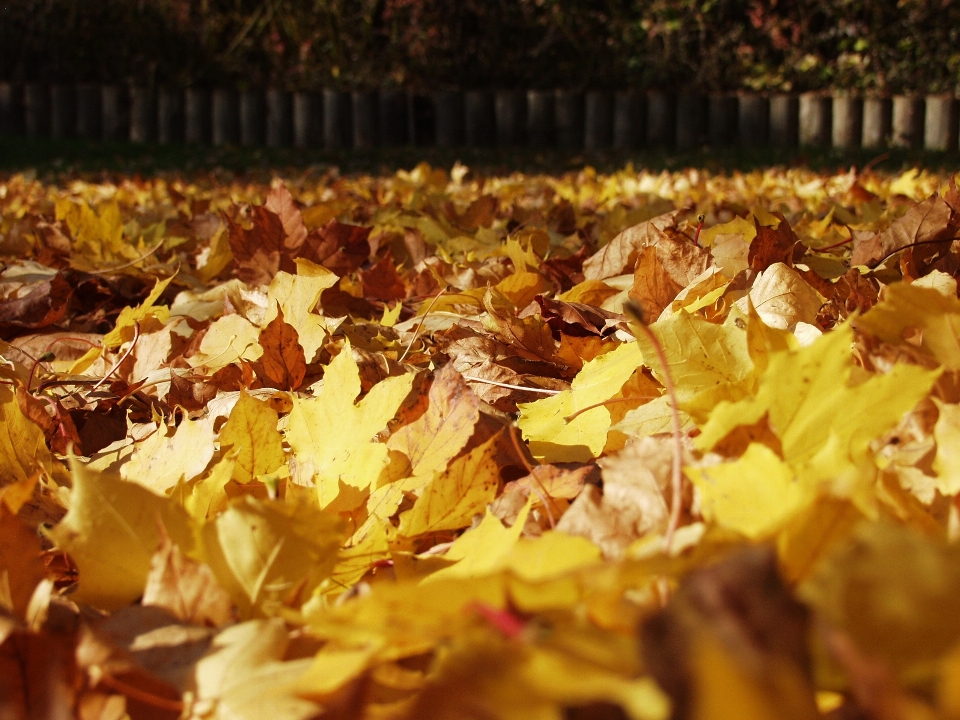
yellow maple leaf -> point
(269, 553)
(913, 307)
(543, 422)
(171, 454)
(334, 435)
(433, 439)
(824, 424)
(123, 330)
(454, 496)
(753, 495)
(252, 430)
(112, 531)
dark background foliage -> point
(868, 45)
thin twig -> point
(890, 254)
(612, 401)
(143, 257)
(118, 363)
(532, 471)
(543, 391)
(423, 319)
(676, 479)
(135, 693)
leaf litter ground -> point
(440, 445)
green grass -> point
(53, 159)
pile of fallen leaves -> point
(440, 445)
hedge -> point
(872, 46)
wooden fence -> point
(567, 120)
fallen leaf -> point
(185, 587)
(455, 495)
(544, 422)
(251, 429)
(334, 435)
(282, 364)
(268, 554)
(620, 254)
(437, 436)
(111, 532)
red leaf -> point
(773, 245)
(338, 247)
(381, 282)
(43, 306)
(282, 365)
(263, 250)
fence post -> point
(393, 117)
(876, 122)
(198, 113)
(11, 107)
(784, 120)
(253, 120)
(89, 112)
(36, 99)
(366, 125)
(540, 126)
(226, 117)
(691, 128)
(448, 111)
(940, 125)
(722, 119)
(480, 118)
(337, 120)
(598, 121)
(753, 120)
(511, 117)
(307, 119)
(661, 119)
(114, 118)
(629, 120)
(279, 118)
(421, 121)
(907, 121)
(143, 115)
(847, 123)
(170, 118)
(815, 120)
(63, 107)
(568, 118)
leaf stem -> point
(676, 476)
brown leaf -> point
(929, 222)
(186, 588)
(738, 617)
(191, 396)
(634, 501)
(435, 438)
(280, 202)
(58, 428)
(620, 255)
(338, 247)
(381, 282)
(43, 306)
(565, 271)
(260, 252)
(664, 269)
(38, 675)
(773, 245)
(21, 566)
(481, 213)
(283, 364)
(578, 319)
